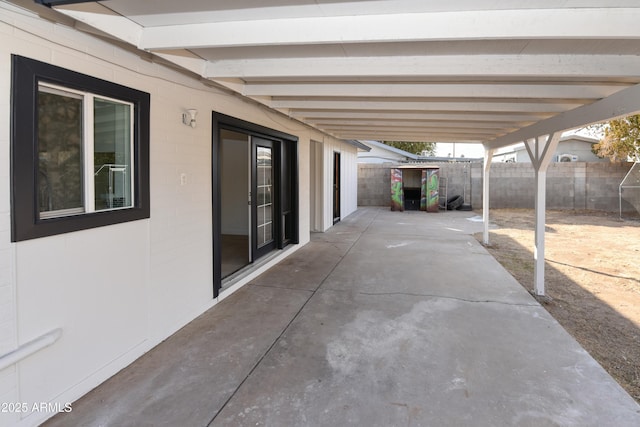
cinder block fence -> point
(571, 185)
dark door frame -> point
(257, 252)
(336, 187)
(284, 177)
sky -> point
(447, 149)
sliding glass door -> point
(254, 194)
(264, 189)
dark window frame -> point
(25, 220)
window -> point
(80, 151)
(84, 152)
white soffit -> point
(490, 71)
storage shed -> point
(415, 188)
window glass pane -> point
(260, 236)
(265, 208)
(112, 154)
(261, 215)
(264, 195)
(264, 166)
(268, 235)
(60, 156)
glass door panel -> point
(264, 220)
(264, 189)
(235, 213)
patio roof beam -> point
(415, 137)
(517, 24)
(479, 117)
(52, 3)
(436, 106)
(620, 104)
(466, 133)
(413, 128)
(547, 90)
(469, 66)
(104, 19)
(393, 123)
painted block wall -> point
(117, 291)
(574, 185)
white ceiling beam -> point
(443, 129)
(397, 136)
(569, 23)
(469, 106)
(412, 138)
(425, 136)
(456, 90)
(105, 20)
(397, 132)
(184, 59)
(619, 104)
(423, 123)
(481, 136)
(311, 115)
(503, 66)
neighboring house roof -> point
(359, 145)
(451, 159)
(383, 146)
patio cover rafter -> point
(486, 71)
(521, 62)
(407, 27)
(449, 90)
(620, 104)
(470, 66)
(385, 104)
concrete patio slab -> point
(385, 360)
(186, 379)
(305, 268)
(387, 319)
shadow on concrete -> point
(610, 337)
(386, 319)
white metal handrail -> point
(33, 346)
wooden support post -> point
(541, 153)
(488, 156)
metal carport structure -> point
(484, 71)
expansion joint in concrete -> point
(485, 301)
(284, 330)
(284, 288)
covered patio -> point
(462, 71)
(387, 319)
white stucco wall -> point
(580, 149)
(117, 291)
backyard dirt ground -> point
(592, 278)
